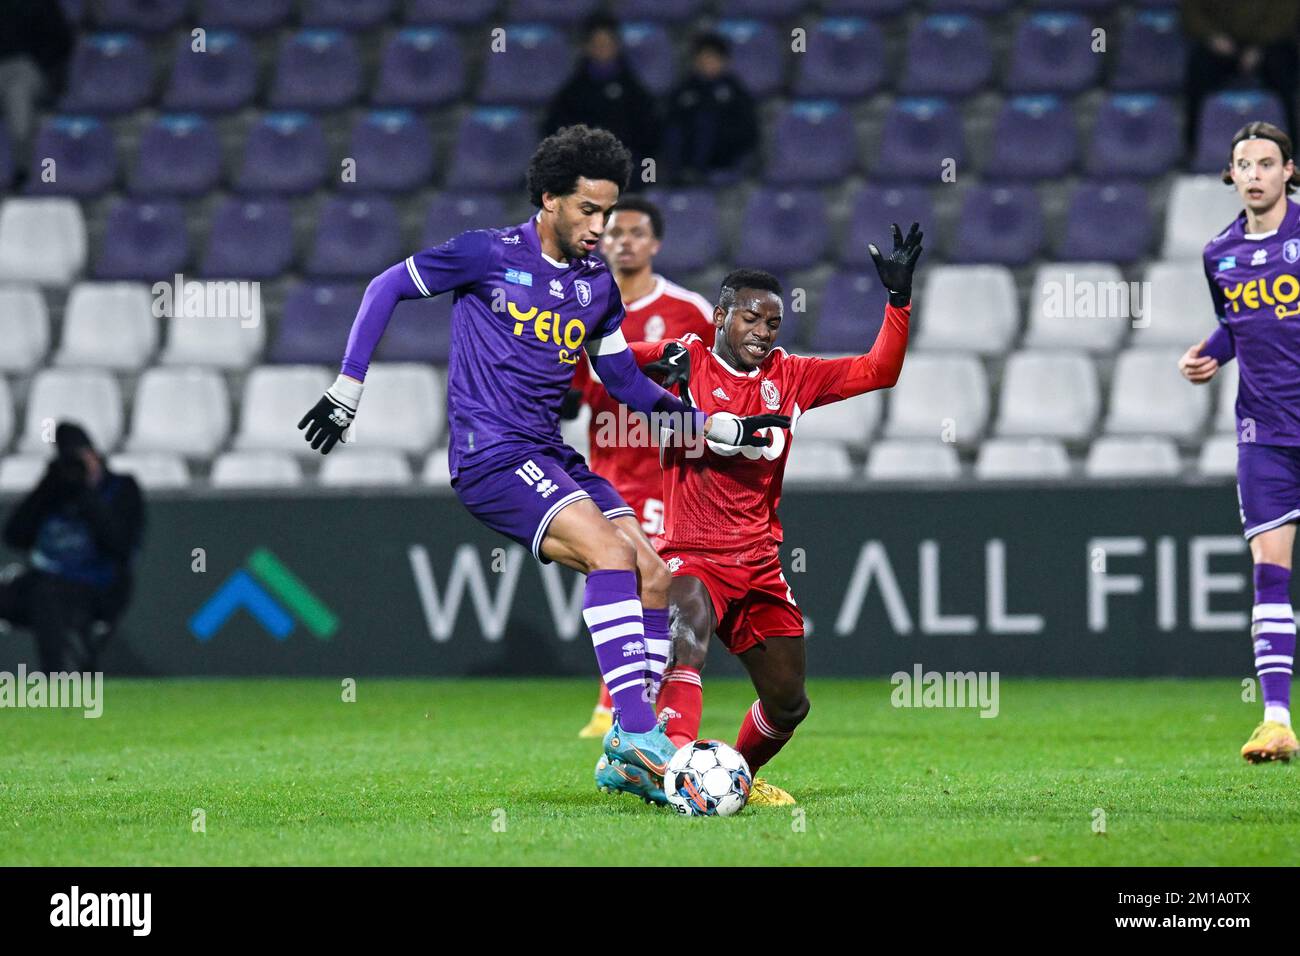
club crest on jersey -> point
(583, 288)
(1291, 250)
(771, 397)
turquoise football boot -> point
(650, 750)
(618, 777)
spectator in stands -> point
(35, 46)
(711, 124)
(604, 92)
(1246, 42)
(81, 526)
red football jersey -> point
(667, 312)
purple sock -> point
(612, 611)
(1273, 630)
(657, 645)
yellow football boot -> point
(1270, 741)
(764, 794)
(598, 726)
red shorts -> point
(751, 602)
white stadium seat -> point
(968, 309)
(180, 410)
(1218, 456)
(222, 338)
(939, 396)
(1225, 416)
(1180, 311)
(356, 466)
(436, 471)
(403, 407)
(1051, 394)
(1078, 305)
(6, 414)
(1006, 458)
(20, 473)
(255, 469)
(817, 461)
(1144, 457)
(1200, 207)
(852, 421)
(153, 470)
(42, 240)
(275, 399)
(89, 397)
(912, 461)
(24, 327)
(109, 325)
(575, 432)
(1148, 396)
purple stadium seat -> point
(221, 78)
(250, 239)
(110, 73)
(1052, 53)
(783, 231)
(420, 67)
(1136, 135)
(461, 13)
(316, 70)
(999, 224)
(851, 312)
(981, 7)
(179, 155)
(552, 11)
(355, 238)
(346, 14)
(284, 153)
(876, 206)
(1222, 115)
(662, 10)
(920, 133)
(649, 51)
(1034, 138)
(864, 8)
(1081, 5)
(692, 234)
(845, 58)
(314, 326)
(139, 16)
(532, 67)
(812, 142)
(393, 151)
(450, 215)
(493, 146)
(757, 54)
(948, 55)
(1152, 53)
(143, 241)
(85, 159)
(419, 331)
(761, 9)
(74, 11)
(1106, 222)
(242, 15)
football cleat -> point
(618, 777)
(764, 794)
(650, 750)
(1270, 741)
(598, 726)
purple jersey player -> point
(527, 300)
(1255, 283)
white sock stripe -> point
(611, 612)
(617, 632)
(626, 685)
(1273, 670)
(622, 670)
(764, 728)
(658, 645)
(415, 276)
(1275, 659)
(1277, 611)
(1272, 627)
(682, 677)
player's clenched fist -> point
(330, 419)
(1196, 367)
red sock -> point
(758, 741)
(682, 694)
(606, 702)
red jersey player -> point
(657, 310)
(722, 532)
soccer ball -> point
(707, 778)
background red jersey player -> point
(657, 310)
(722, 533)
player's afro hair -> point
(574, 151)
(1261, 130)
(739, 279)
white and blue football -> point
(707, 778)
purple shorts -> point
(519, 493)
(1268, 486)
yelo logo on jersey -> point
(546, 326)
(1282, 290)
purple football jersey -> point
(1255, 283)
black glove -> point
(571, 404)
(728, 429)
(896, 271)
(331, 417)
(674, 365)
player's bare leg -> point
(681, 698)
(1273, 631)
(776, 668)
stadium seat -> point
(220, 78)
(969, 309)
(110, 73)
(1136, 135)
(250, 239)
(316, 70)
(355, 239)
(73, 156)
(460, 13)
(813, 461)
(920, 135)
(24, 328)
(1199, 208)
(284, 153)
(947, 55)
(1222, 114)
(811, 143)
(1106, 221)
(420, 68)
(6, 414)
(436, 470)
(649, 51)
(420, 331)
(999, 224)
(872, 208)
(1021, 458)
(1149, 397)
(143, 240)
(1225, 414)
(1034, 137)
(783, 230)
(179, 155)
(533, 67)
(692, 230)
(153, 472)
(845, 59)
(19, 474)
(1053, 53)
(552, 11)
(1179, 310)
(242, 15)
(393, 152)
(275, 398)
(108, 325)
(404, 408)
(255, 469)
(90, 397)
(1090, 5)
(451, 214)
(913, 461)
(41, 240)
(575, 433)
(180, 411)
(1151, 54)
(939, 397)
(493, 146)
(140, 16)
(225, 339)
(346, 14)
(1218, 457)
(1078, 305)
(1132, 458)
(984, 7)
(1048, 395)
(851, 313)
(357, 467)
(6, 159)
(761, 9)
(850, 423)
(315, 323)
(758, 54)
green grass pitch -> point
(491, 772)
